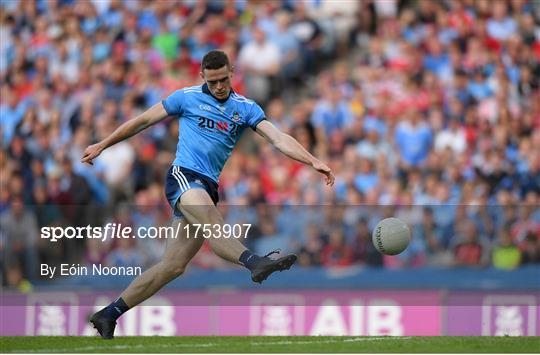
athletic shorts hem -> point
(179, 180)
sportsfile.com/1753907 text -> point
(118, 231)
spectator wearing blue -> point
(148, 20)
(90, 21)
(444, 211)
(331, 113)
(94, 175)
(437, 61)
(479, 87)
(199, 43)
(373, 147)
(112, 17)
(372, 122)
(366, 178)
(430, 234)
(125, 255)
(288, 45)
(501, 26)
(460, 91)
(115, 86)
(101, 48)
(413, 138)
(12, 112)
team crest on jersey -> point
(236, 117)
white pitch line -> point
(253, 343)
(114, 347)
(329, 341)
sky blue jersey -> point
(209, 128)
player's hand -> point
(91, 152)
(324, 169)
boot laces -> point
(276, 251)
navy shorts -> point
(179, 180)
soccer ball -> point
(391, 236)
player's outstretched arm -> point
(291, 148)
(127, 129)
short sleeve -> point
(174, 103)
(256, 115)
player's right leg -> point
(197, 206)
(178, 253)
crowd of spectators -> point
(425, 110)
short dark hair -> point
(214, 60)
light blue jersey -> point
(209, 128)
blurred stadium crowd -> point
(426, 110)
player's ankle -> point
(116, 309)
(249, 259)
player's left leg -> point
(178, 253)
(197, 206)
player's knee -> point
(171, 271)
(202, 214)
(213, 216)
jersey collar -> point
(207, 91)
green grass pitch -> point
(282, 344)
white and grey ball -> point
(391, 236)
